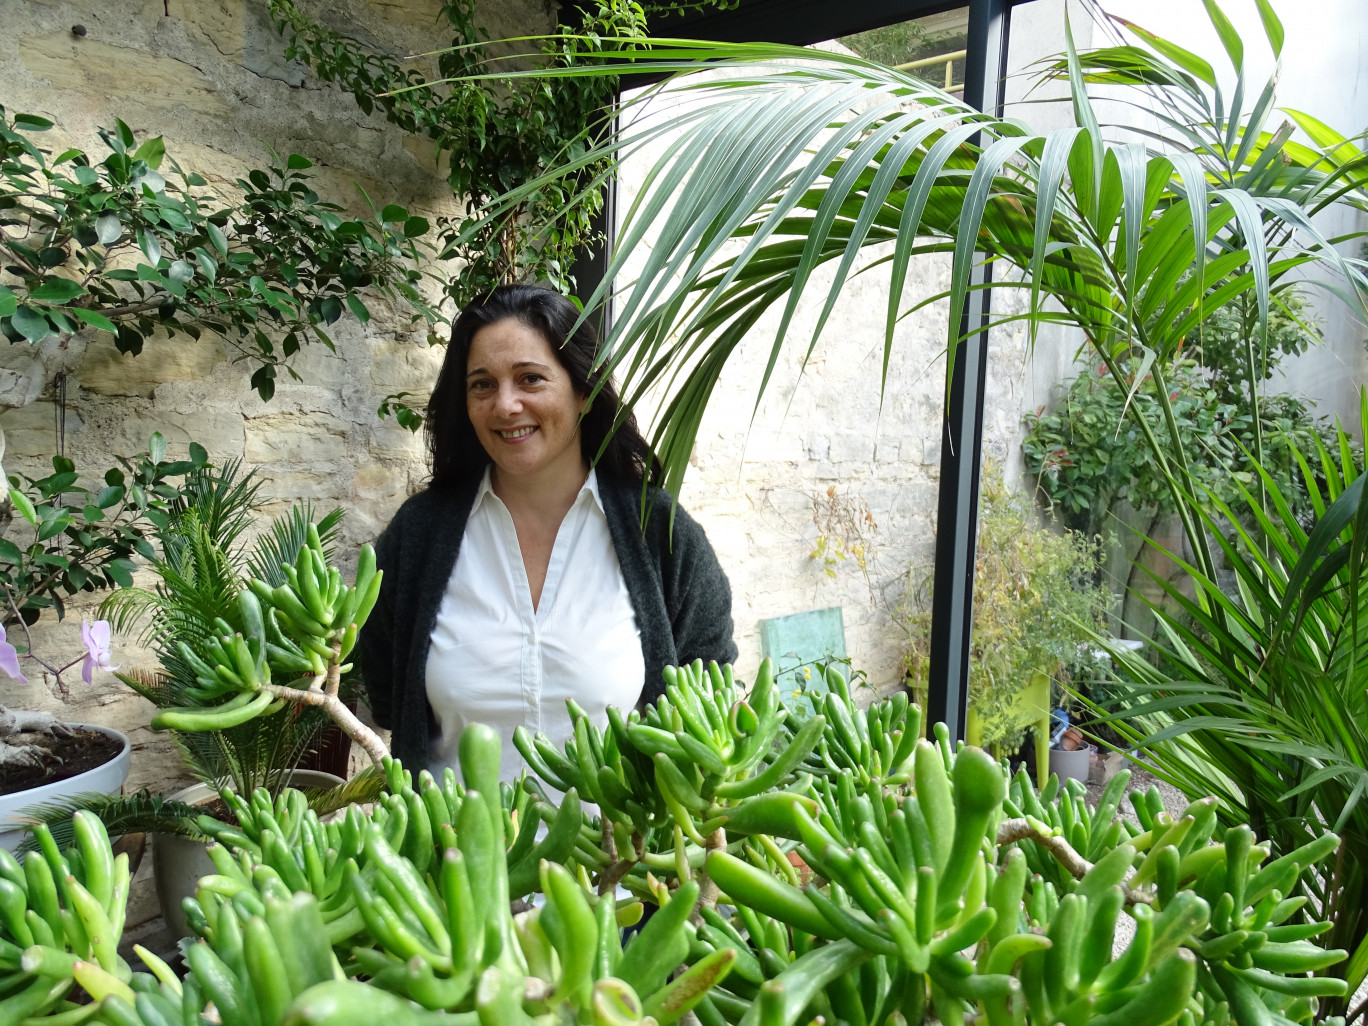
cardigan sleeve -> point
(697, 592)
(376, 643)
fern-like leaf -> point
(141, 812)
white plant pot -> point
(1071, 765)
(178, 863)
(106, 779)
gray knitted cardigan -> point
(677, 588)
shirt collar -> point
(590, 487)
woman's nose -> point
(507, 400)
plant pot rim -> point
(199, 791)
(107, 778)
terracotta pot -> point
(106, 779)
(178, 863)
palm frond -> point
(790, 161)
(287, 534)
(366, 786)
(140, 812)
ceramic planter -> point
(105, 779)
(179, 862)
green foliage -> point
(79, 537)
(940, 891)
(1237, 358)
(1131, 245)
(496, 132)
(1089, 452)
(1036, 603)
(1261, 695)
(202, 567)
(114, 244)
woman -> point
(521, 576)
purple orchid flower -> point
(9, 659)
(96, 637)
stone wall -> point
(209, 76)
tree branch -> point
(1020, 829)
(332, 705)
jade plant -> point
(928, 886)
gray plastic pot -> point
(1071, 765)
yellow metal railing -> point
(947, 59)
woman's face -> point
(522, 403)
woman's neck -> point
(544, 496)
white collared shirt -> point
(496, 660)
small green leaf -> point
(150, 246)
(109, 496)
(217, 237)
(156, 447)
(57, 290)
(23, 505)
(8, 304)
(297, 163)
(121, 570)
(52, 528)
(32, 122)
(9, 552)
(93, 514)
(180, 271)
(263, 380)
(151, 152)
(31, 324)
(93, 318)
(394, 213)
(86, 175)
(198, 456)
(358, 308)
(416, 226)
(125, 133)
(108, 228)
(114, 477)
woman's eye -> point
(533, 379)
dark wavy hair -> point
(456, 452)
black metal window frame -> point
(801, 23)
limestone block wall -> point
(210, 77)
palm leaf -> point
(140, 812)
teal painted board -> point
(799, 640)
